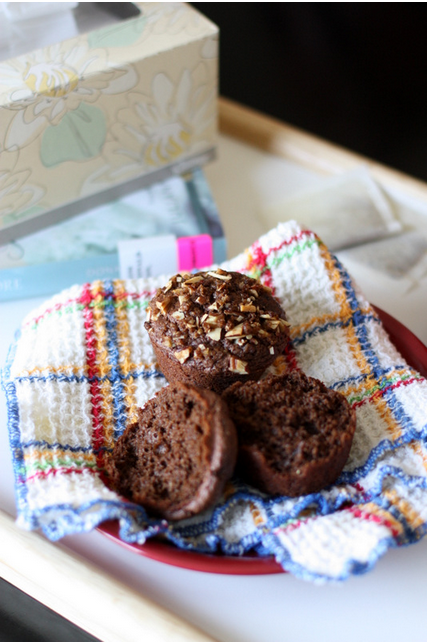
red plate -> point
(415, 354)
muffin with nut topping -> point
(214, 328)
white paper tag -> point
(148, 256)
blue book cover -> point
(85, 248)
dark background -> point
(353, 73)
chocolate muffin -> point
(294, 433)
(214, 328)
(176, 458)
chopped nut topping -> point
(215, 334)
(194, 279)
(235, 332)
(212, 320)
(168, 286)
(164, 305)
(220, 276)
(183, 355)
(204, 350)
(237, 366)
(262, 333)
(212, 305)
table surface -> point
(388, 603)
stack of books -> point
(169, 226)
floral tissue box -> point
(133, 101)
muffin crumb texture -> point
(177, 457)
(294, 433)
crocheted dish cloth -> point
(82, 364)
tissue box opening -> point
(33, 25)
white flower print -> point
(173, 121)
(43, 85)
(17, 196)
(171, 18)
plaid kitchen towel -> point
(82, 364)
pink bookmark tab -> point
(194, 252)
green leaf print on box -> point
(120, 35)
(80, 135)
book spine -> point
(46, 279)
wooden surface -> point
(309, 151)
(83, 594)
